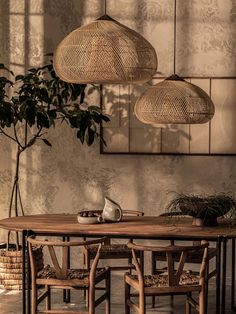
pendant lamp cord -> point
(175, 22)
(105, 6)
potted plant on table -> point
(204, 209)
(39, 101)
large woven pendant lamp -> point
(174, 101)
(105, 51)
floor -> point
(10, 301)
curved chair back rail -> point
(45, 242)
(170, 248)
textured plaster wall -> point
(69, 176)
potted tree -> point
(38, 101)
(205, 209)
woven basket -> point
(11, 266)
(105, 51)
(174, 101)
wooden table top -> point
(151, 227)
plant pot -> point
(207, 222)
(11, 266)
(204, 213)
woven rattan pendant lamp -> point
(174, 101)
(105, 51)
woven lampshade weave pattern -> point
(174, 101)
(105, 51)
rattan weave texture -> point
(174, 101)
(105, 51)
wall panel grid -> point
(125, 134)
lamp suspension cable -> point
(105, 7)
(175, 26)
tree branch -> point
(16, 136)
(7, 135)
(33, 139)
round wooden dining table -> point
(141, 227)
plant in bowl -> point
(205, 209)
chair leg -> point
(142, 303)
(206, 287)
(91, 302)
(87, 265)
(153, 261)
(48, 299)
(202, 309)
(127, 297)
(129, 263)
(188, 306)
(34, 299)
(108, 293)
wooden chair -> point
(60, 277)
(193, 258)
(111, 251)
(172, 282)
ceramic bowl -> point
(88, 220)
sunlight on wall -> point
(17, 35)
(36, 33)
(26, 23)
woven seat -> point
(153, 281)
(173, 280)
(80, 277)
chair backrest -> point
(171, 251)
(61, 269)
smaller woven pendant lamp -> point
(174, 101)
(105, 51)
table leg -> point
(224, 263)
(23, 272)
(218, 275)
(29, 233)
(233, 277)
(66, 293)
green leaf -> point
(19, 77)
(42, 120)
(80, 135)
(52, 113)
(30, 114)
(74, 121)
(90, 136)
(95, 108)
(47, 142)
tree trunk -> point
(15, 200)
